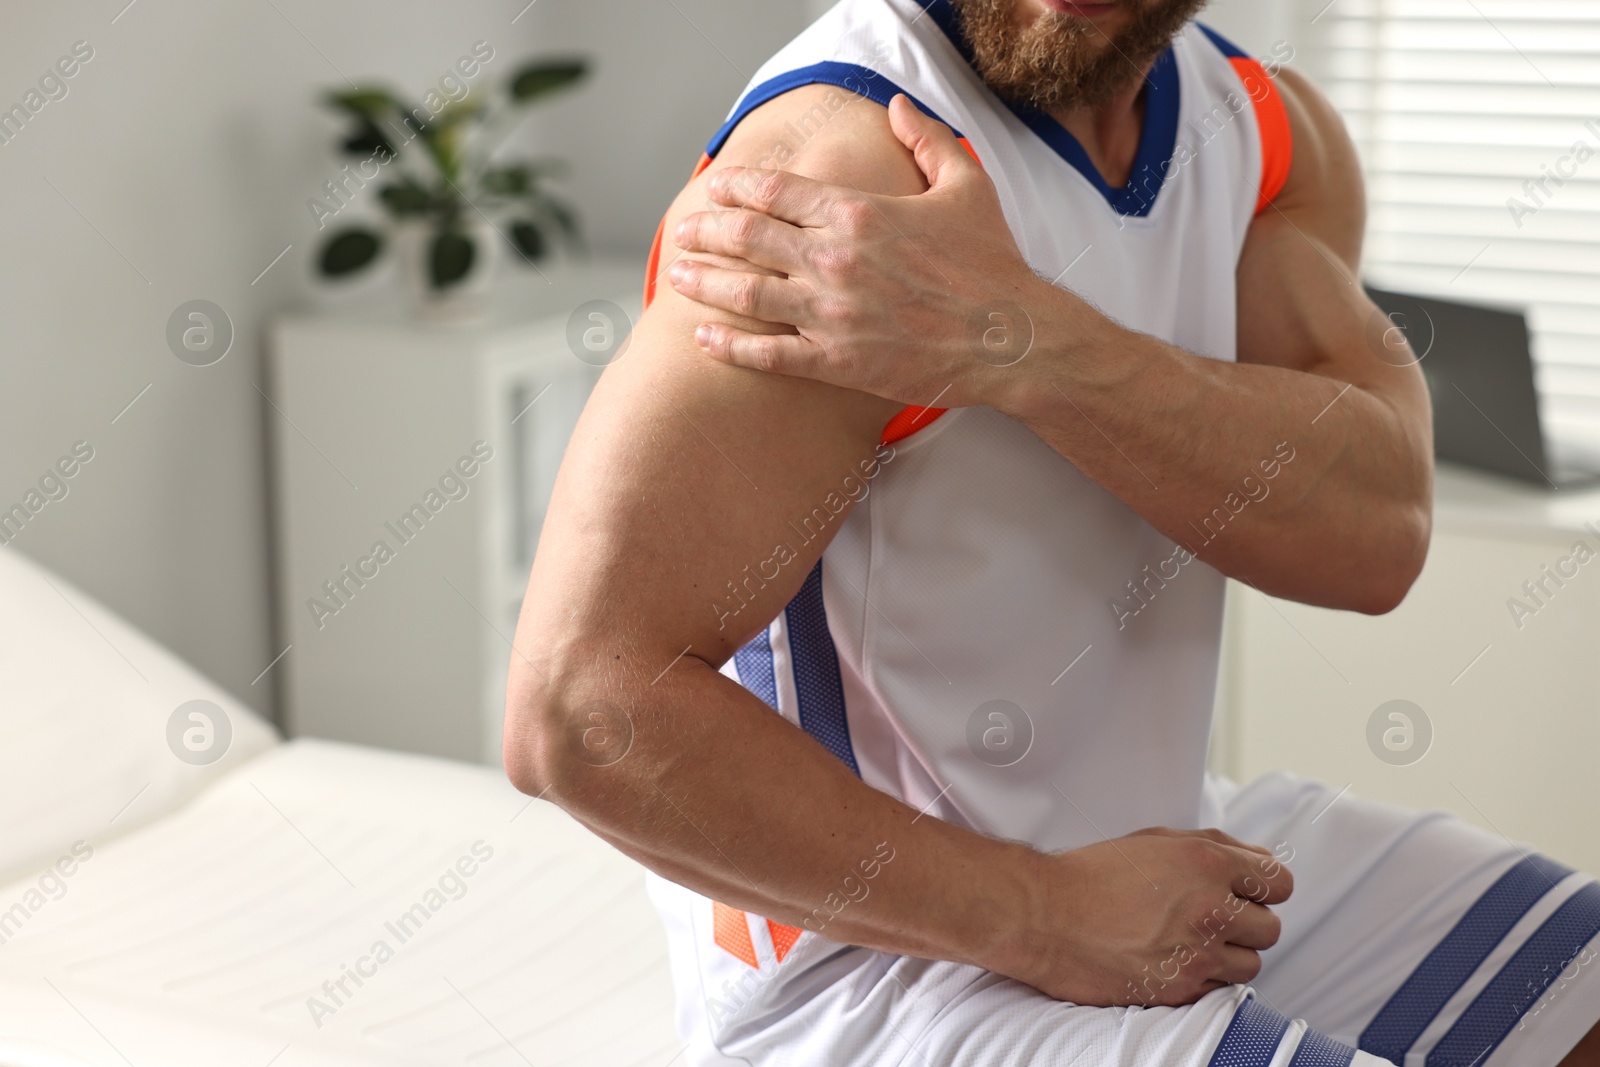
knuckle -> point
(767, 189)
(743, 296)
(837, 260)
(855, 215)
(739, 229)
(1198, 852)
(764, 354)
(1204, 916)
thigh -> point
(1418, 937)
(900, 1012)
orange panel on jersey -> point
(653, 264)
(1272, 120)
(783, 938)
(731, 930)
(909, 420)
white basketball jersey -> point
(990, 635)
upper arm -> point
(1301, 302)
(687, 478)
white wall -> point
(184, 153)
(668, 75)
(1256, 25)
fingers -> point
(939, 154)
(1257, 873)
(1260, 878)
(1236, 966)
(792, 198)
(744, 235)
(754, 296)
(1228, 839)
(785, 353)
(1212, 834)
(1255, 927)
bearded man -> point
(896, 668)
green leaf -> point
(368, 140)
(348, 251)
(450, 258)
(536, 79)
(513, 180)
(456, 112)
(444, 135)
(369, 104)
(528, 240)
(406, 198)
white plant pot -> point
(465, 299)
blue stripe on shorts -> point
(1457, 957)
(1252, 1037)
(1521, 982)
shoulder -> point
(818, 131)
(1324, 183)
(825, 132)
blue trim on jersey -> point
(863, 81)
(1252, 1037)
(1521, 982)
(1225, 46)
(757, 670)
(1457, 957)
(1158, 141)
(1318, 1050)
(816, 671)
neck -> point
(1110, 130)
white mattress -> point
(199, 938)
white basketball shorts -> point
(1411, 938)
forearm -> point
(1176, 437)
(718, 793)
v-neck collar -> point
(1157, 140)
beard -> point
(1061, 59)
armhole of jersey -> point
(862, 82)
(1272, 118)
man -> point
(1048, 382)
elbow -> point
(536, 759)
(557, 735)
(1401, 563)
(531, 761)
(1383, 597)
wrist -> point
(1020, 885)
(1070, 339)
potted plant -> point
(451, 214)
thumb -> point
(942, 158)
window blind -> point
(1478, 123)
